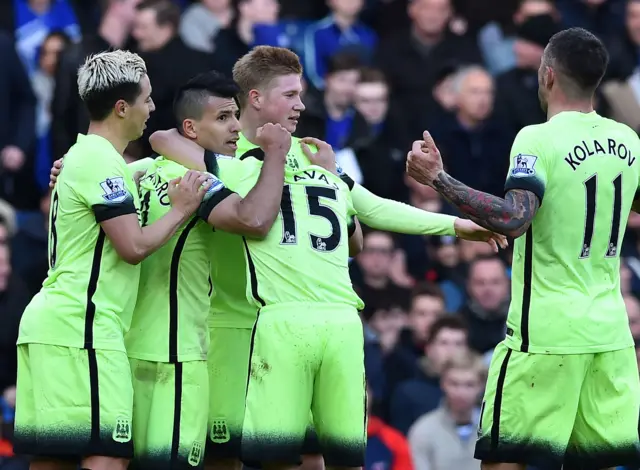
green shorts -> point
(228, 364)
(73, 403)
(305, 358)
(543, 409)
(169, 414)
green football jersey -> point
(304, 258)
(566, 269)
(89, 294)
(170, 319)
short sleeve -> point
(222, 170)
(527, 169)
(106, 188)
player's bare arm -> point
(510, 216)
(356, 239)
(134, 243)
(254, 214)
(170, 144)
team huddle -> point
(198, 305)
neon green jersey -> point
(170, 319)
(90, 292)
(304, 258)
(566, 269)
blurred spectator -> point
(386, 447)
(68, 114)
(330, 114)
(444, 439)
(518, 101)
(497, 45)
(43, 87)
(14, 297)
(340, 31)
(170, 63)
(254, 22)
(387, 325)
(374, 361)
(17, 129)
(623, 46)
(427, 306)
(633, 312)
(601, 17)
(375, 153)
(30, 21)
(488, 304)
(422, 394)
(201, 22)
(377, 290)
(412, 58)
(475, 143)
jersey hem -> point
(555, 350)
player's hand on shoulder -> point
(55, 171)
(324, 157)
(274, 139)
(468, 230)
(186, 193)
(424, 162)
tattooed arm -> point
(510, 216)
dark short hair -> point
(343, 61)
(167, 12)
(448, 322)
(191, 98)
(427, 289)
(580, 58)
(372, 75)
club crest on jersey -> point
(195, 455)
(114, 190)
(523, 165)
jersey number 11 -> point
(591, 191)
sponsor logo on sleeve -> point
(523, 165)
(114, 190)
(216, 186)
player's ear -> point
(190, 128)
(121, 107)
(255, 99)
(549, 77)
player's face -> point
(282, 102)
(138, 112)
(461, 388)
(218, 129)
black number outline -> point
(53, 231)
(591, 208)
(316, 209)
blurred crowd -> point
(377, 73)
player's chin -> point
(290, 124)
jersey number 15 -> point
(316, 208)
(591, 193)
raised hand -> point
(424, 162)
(273, 139)
(324, 157)
(186, 193)
(55, 171)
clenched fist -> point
(273, 138)
(424, 162)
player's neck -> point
(249, 125)
(563, 106)
(107, 131)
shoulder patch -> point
(114, 190)
(339, 169)
(216, 185)
(523, 165)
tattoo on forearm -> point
(509, 216)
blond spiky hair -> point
(109, 69)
